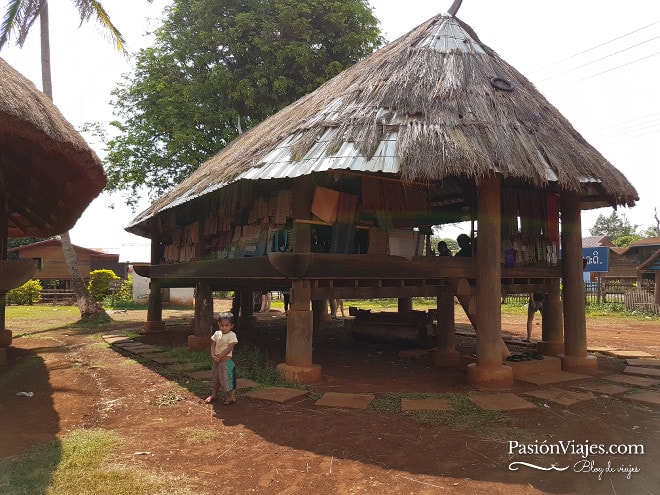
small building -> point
(52, 268)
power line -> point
(628, 121)
(617, 67)
(607, 143)
(613, 131)
(599, 59)
(594, 47)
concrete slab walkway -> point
(637, 370)
(501, 402)
(635, 381)
(561, 396)
(601, 388)
(281, 395)
(426, 405)
(650, 398)
(343, 400)
(551, 377)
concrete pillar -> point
(446, 355)
(552, 340)
(488, 371)
(575, 356)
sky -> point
(597, 61)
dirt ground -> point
(265, 447)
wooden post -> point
(657, 287)
(155, 321)
(446, 354)
(298, 366)
(404, 305)
(575, 356)
(488, 371)
(552, 340)
(204, 324)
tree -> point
(613, 227)
(218, 67)
(19, 17)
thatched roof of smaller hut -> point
(48, 170)
(435, 104)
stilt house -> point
(335, 196)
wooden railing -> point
(57, 296)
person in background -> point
(286, 295)
(443, 250)
(535, 304)
(334, 305)
(465, 245)
(223, 373)
(265, 301)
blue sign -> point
(598, 259)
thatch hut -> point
(335, 195)
(48, 173)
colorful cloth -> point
(223, 375)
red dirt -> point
(266, 447)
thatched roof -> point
(50, 173)
(424, 108)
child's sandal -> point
(210, 399)
(229, 401)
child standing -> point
(224, 371)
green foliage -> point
(613, 227)
(23, 241)
(218, 67)
(624, 240)
(98, 283)
(125, 293)
(28, 293)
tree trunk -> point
(90, 309)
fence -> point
(57, 296)
(624, 290)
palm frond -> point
(89, 9)
(18, 19)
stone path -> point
(637, 383)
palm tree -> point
(18, 19)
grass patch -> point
(82, 463)
(254, 365)
(198, 436)
(466, 415)
(185, 354)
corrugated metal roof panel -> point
(450, 36)
(278, 163)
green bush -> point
(125, 293)
(98, 283)
(28, 293)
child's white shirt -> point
(223, 341)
